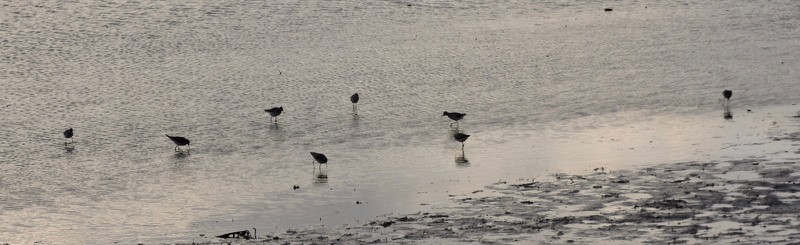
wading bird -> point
(274, 112)
(461, 138)
(455, 116)
(727, 94)
(319, 158)
(68, 135)
(354, 100)
(179, 141)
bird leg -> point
(176, 148)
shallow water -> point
(547, 87)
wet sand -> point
(747, 200)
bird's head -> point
(444, 114)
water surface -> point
(547, 86)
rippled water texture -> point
(125, 73)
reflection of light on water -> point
(644, 140)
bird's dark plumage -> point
(319, 157)
(274, 112)
(727, 102)
(68, 135)
(460, 137)
(455, 116)
(354, 100)
(179, 141)
(727, 94)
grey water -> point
(527, 73)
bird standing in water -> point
(455, 116)
(354, 100)
(461, 138)
(180, 141)
(68, 135)
(274, 112)
(727, 94)
(320, 158)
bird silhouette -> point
(274, 112)
(68, 135)
(455, 116)
(354, 100)
(727, 94)
(320, 158)
(180, 141)
(461, 138)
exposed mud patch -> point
(672, 203)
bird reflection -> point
(274, 126)
(321, 176)
(462, 161)
(728, 115)
(181, 154)
(69, 148)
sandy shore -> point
(750, 201)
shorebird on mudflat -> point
(68, 135)
(179, 141)
(455, 116)
(354, 100)
(320, 158)
(274, 112)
